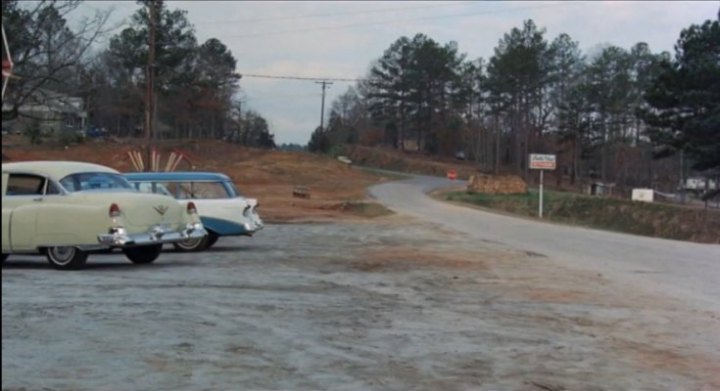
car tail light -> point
(191, 209)
(114, 211)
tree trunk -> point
(401, 129)
(497, 143)
(603, 151)
(573, 175)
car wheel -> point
(195, 244)
(66, 258)
(212, 238)
(143, 254)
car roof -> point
(176, 176)
(57, 169)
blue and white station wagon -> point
(223, 210)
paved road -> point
(686, 271)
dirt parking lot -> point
(387, 304)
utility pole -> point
(322, 106)
(150, 80)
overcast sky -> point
(340, 39)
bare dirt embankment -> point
(336, 190)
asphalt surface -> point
(687, 271)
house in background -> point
(53, 112)
(698, 184)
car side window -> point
(52, 189)
(162, 188)
(210, 190)
(143, 187)
(152, 187)
(25, 184)
(184, 191)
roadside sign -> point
(542, 162)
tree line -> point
(624, 115)
(611, 114)
(196, 83)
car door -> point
(53, 214)
(23, 194)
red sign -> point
(7, 67)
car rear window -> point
(152, 187)
(95, 181)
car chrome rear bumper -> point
(118, 237)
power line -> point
(350, 26)
(255, 20)
(303, 78)
(264, 96)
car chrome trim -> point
(118, 237)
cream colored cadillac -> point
(67, 209)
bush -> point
(338, 150)
(33, 132)
(319, 141)
(66, 138)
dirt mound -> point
(496, 184)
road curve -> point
(687, 271)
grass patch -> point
(640, 218)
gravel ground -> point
(392, 304)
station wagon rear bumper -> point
(231, 226)
(118, 237)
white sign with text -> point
(542, 162)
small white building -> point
(698, 184)
(644, 195)
(54, 112)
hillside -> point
(337, 191)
